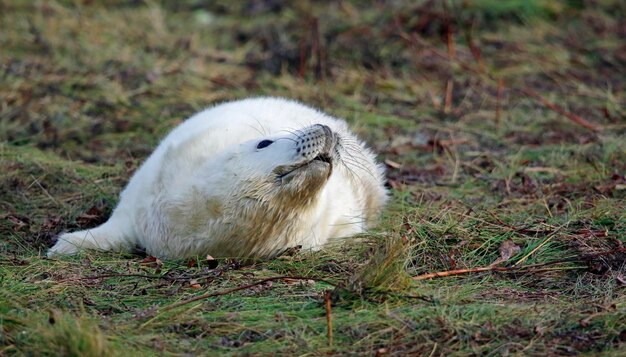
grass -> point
(87, 89)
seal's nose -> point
(328, 137)
(314, 141)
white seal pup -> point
(246, 179)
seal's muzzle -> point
(316, 143)
(314, 151)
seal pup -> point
(247, 179)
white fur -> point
(186, 199)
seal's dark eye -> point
(264, 144)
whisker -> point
(348, 164)
(354, 161)
(261, 130)
(350, 171)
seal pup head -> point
(272, 187)
(288, 170)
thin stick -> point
(475, 51)
(516, 268)
(36, 181)
(545, 241)
(450, 40)
(571, 116)
(329, 319)
(448, 102)
(494, 268)
(442, 274)
(449, 32)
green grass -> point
(87, 89)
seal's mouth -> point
(323, 161)
(323, 157)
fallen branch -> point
(586, 258)
(442, 274)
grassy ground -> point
(502, 123)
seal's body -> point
(247, 179)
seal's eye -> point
(264, 144)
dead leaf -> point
(508, 249)
(148, 259)
(152, 262)
(451, 258)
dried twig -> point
(517, 268)
(459, 272)
(329, 319)
(571, 116)
(448, 102)
(545, 241)
(450, 40)
(475, 51)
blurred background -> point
(76, 74)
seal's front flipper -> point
(103, 238)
